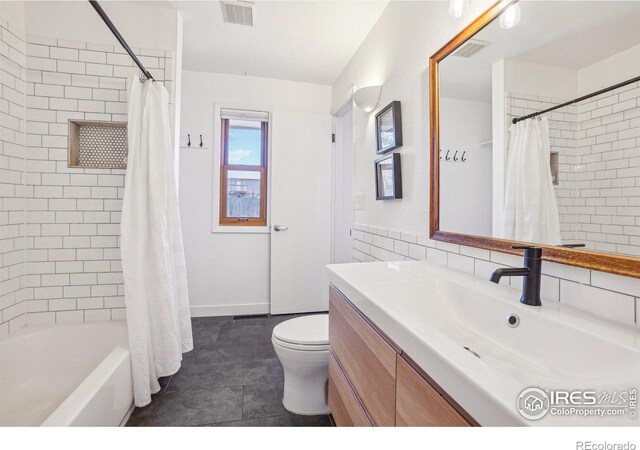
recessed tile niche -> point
(97, 145)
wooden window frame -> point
(225, 167)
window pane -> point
(243, 194)
(245, 142)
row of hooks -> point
(189, 141)
(455, 156)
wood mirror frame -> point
(605, 262)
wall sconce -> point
(366, 98)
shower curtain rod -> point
(120, 39)
(576, 100)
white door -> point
(343, 188)
(301, 210)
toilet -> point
(302, 345)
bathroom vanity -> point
(373, 383)
(415, 344)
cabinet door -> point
(419, 405)
(369, 362)
(345, 407)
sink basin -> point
(456, 327)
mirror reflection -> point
(546, 111)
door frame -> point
(337, 157)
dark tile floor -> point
(231, 378)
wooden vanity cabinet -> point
(346, 408)
(371, 381)
(366, 358)
(418, 404)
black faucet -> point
(531, 273)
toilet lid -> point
(306, 330)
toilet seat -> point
(300, 347)
(307, 333)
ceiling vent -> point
(470, 48)
(240, 13)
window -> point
(243, 171)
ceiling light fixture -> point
(366, 98)
(457, 8)
(510, 17)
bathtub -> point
(66, 375)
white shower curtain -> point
(155, 280)
(530, 208)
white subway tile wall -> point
(598, 142)
(607, 296)
(13, 76)
(73, 214)
(608, 178)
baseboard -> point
(229, 310)
(126, 417)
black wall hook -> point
(200, 140)
(455, 156)
(188, 140)
(463, 159)
(447, 156)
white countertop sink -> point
(433, 313)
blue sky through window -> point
(245, 146)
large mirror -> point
(536, 132)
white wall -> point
(526, 77)
(14, 13)
(228, 272)
(396, 55)
(466, 187)
(619, 67)
(146, 26)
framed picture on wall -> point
(388, 177)
(389, 128)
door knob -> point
(280, 228)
